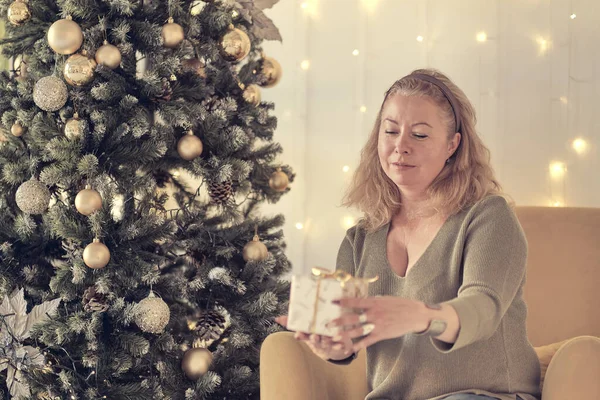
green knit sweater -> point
(476, 263)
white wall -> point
(290, 97)
(533, 98)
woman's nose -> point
(402, 144)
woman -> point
(446, 319)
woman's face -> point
(413, 143)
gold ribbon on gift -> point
(341, 276)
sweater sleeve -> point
(494, 261)
(345, 257)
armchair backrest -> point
(563, 272)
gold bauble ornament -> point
(279, 181)
(65, 36)
(189, 146)
(196, 362)
(33, 197)
(18, 13)
(88, 201)
(152, 314)
(252, 94)
(79, 69)
(195, 65)
(272, 70)
(172, 34)
(255, 250)
(74, 127)
(235, 45)
(50, 93)
(108, 55)
(96, 255)
(17, 129)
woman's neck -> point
(416, 206)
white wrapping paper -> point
(311, 296)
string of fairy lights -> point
(557, 168)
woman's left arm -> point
(387, 317)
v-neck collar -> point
(385, 232)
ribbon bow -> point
(342, 276)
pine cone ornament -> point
(166, 92)
(220, 192)
(210, 326)
(94, 301)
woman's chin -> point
(404, 183)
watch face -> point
(436, 327)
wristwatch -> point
(344, 361)
(436, 326)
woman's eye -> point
(390, 132)
(419, 136)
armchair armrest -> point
(574, 370)
(289, 370)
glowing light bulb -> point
(348, 222)
(370, 5)
(346, 168)
(556, 203)
(544, 44)
(419, 38)
(481, 37)
(309, 7)
(363, 109)
(299, 225)
(573, 16)
(557, 169)
(355, 52)
(564, 100)
(305, 65)
(579, 145)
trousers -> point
(469, 396)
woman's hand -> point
(380, 318)
(323, 346)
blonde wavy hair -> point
(467, 177)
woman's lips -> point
(402, 166)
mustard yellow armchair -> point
(563, 322)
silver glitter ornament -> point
(33, 197)
(152, 314)
(50, 93)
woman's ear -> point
(453, 144)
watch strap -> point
(436, 326)
(344, 361)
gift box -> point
(311, 296)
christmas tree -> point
(135, 153)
